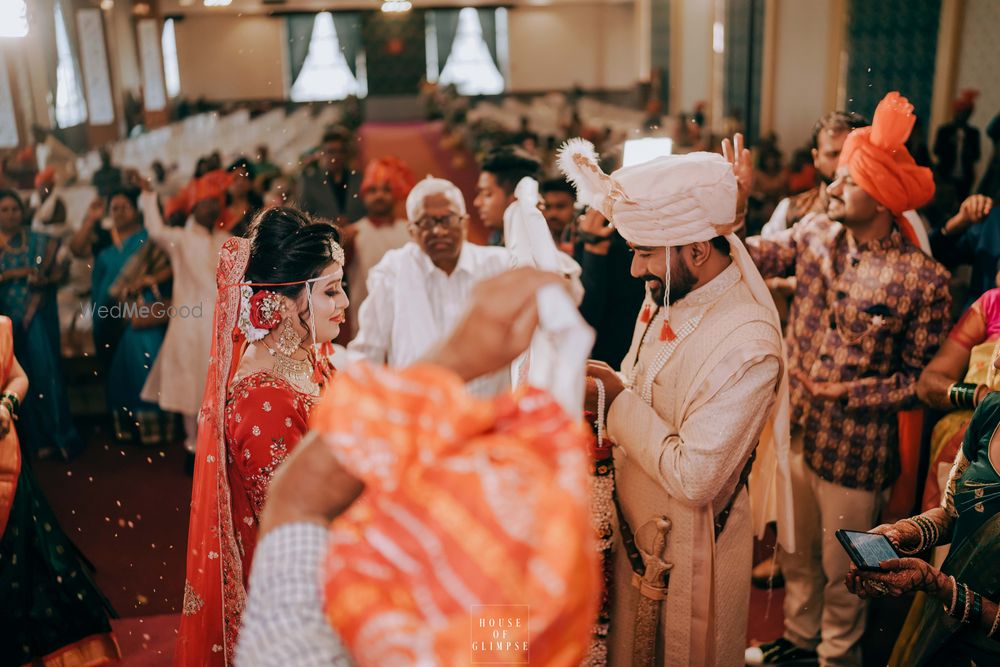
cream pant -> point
(820, 613)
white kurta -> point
(177, 380)
(370, 245)
(395, 330)
(680, 453)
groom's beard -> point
(682, 281)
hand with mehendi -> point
(898, 577)
(903, 535)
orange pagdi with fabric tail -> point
(879, 163)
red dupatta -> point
(214, 596)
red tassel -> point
(646, 314)
(322, 366)
(667, 333)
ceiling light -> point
(13, 18)
(718, 37)
(396, 6)
(218, 3)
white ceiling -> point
(259, 7)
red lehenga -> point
(245, 431)
(265, 418)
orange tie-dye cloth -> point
(472, 510)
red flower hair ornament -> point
(260, 312)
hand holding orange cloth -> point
(466, 503)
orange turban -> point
(390, 170)
(47, 175)
(212, 185)
(966, 100)
(181, 202)
(472, 510)
(878, 161)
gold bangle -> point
(954, 597)
(996, 624)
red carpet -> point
(147, 641)
(126, 508)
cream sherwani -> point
(684, 431)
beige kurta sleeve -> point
(699, 459)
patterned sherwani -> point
(684, 432)
(870, 315)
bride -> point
(280, 304)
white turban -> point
(433, 186)
(672, 201)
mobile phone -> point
(866, 550)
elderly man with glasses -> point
(417, 293)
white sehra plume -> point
(578, 162)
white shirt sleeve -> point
(283, 623)
(375, 316)
(167, 237)
(778, 221)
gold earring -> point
(288, 338)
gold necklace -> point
(21, 234)
(298, 372)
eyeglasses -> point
(427, 224)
